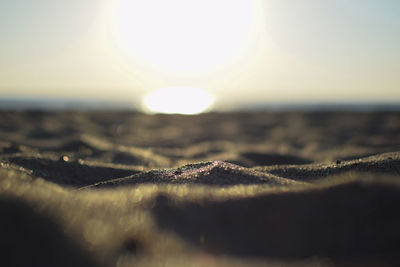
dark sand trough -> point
(240, 189)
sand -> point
(234, 189)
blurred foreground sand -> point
(238, 189)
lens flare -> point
(178, 100)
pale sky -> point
(272, 50)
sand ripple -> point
(106, 189)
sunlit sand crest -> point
(178, 100)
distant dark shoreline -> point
(322, 106)
(55, 104)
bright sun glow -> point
(184, 35)
(179, 100)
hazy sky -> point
(285, 50)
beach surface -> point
(218, 189)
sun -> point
(177, 100)
(184, 35)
